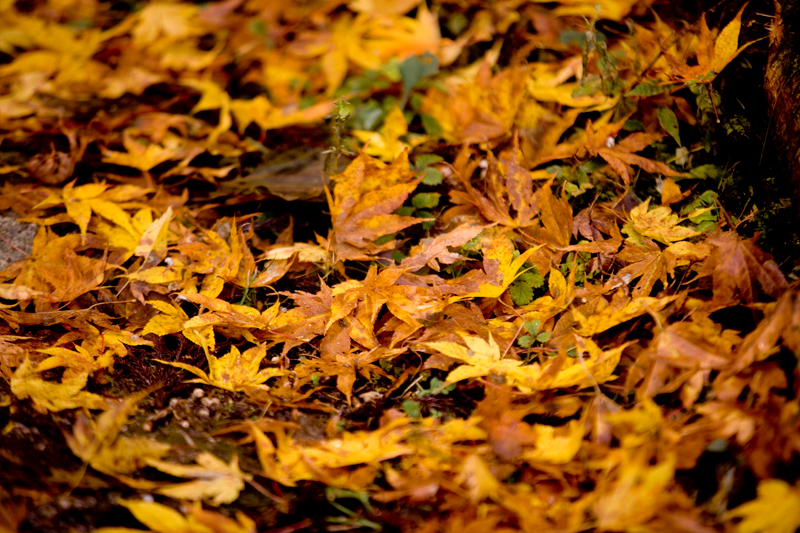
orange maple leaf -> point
(362, 203)
(509, 198)
(55, 272)
(480, 110)
(620, 156)
(712, 55)
(737, 263)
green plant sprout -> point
(339, 118)
(534, 336)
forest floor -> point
(345, 266)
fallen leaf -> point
(215, 481)
(234, 371)
(362, 204)
(776, 509)
(737, 263)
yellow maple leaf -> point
(142, 221)
(268, 115)
(154, 238)
(212, 97)
(375, 7)
(235, 371)
(61, 53)
(386, 143)
(608, 9)
(162, 519)
(77, 362)
(776, 509)
(187, 56)
(659, 224)
(157, 517)
(98, 444)
(288, 462)
(172, 320)
(483, 358)
(635, 492)
(402, 37)
(81, 201)
(712, 55)
(214, 480)
(501, 267)
(54, 272)
(347, 41)
(165, 21)
(555, 445)
(591, 366)
(478, 108)
(144, 154)
(726, 46)
(53, 395)
(479, 480)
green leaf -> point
(572, 351)
(404, 211)
(343, 109)
(633, 125)
(543, 337)
(432, 176)
(526, 341)
(431, 219)
(648, 89)
(391, 70)
(411, 408)
(533, 326)
(521, 293)
(472, 245)
(437, 387)
(706, 219)
(431, 125)
(368, 116)
(706, 172)
(577, 190)
(532, 278)
(589, 88)
(570, 36)
(425, 160)
(706, 226)
(436, 382)
(669, 122)
(415, 68)
(457, 22)
(385, 238)
(426, 200)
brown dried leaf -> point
(362, 203)
(737, 263)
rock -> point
(15, 238)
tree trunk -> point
(783, 88)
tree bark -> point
(782, 85)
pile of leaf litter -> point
(336, 266)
